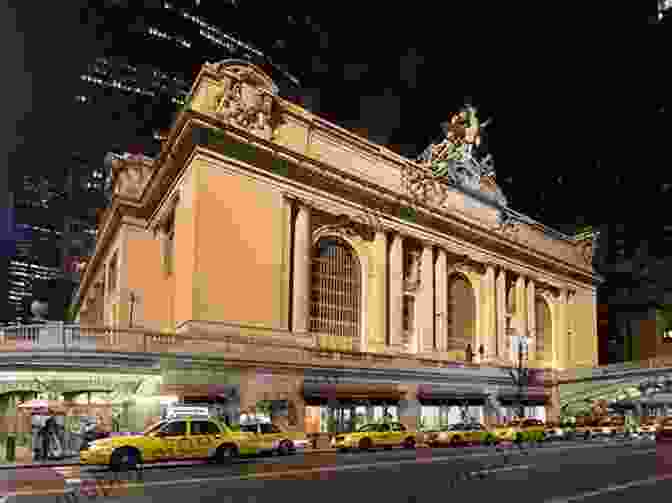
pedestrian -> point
(470, 354)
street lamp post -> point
(520, 374)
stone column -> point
(521, 309)
(531, 319)
(490, 339)
(378, 320)
(501, 313)
(441, 293)
(302, 265)
(560, 335)
(396, 282)
(553, 407)
(425, 321)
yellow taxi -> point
(268, 437)
(373, 435)
(648, 427)
(608, 427)
(460, 434)
(522, 430)
(173, 439)
(664, 430)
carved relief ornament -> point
(246, 99)
(349, 226)
(130, 174)
(586, 252)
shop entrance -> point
(346, 417)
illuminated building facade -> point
(263, 233)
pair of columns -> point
(499, 318)
(523, 319)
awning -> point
(353, 392)
(451, 395)
(527, 399)
(211, 391)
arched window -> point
(544, 328)
(336, 289)
(461, 314)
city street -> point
(553, 473)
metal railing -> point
(74, 337)
(616, 369)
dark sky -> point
(564, 87)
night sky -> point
(564, 88)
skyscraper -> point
(134, 88)
(123, 101)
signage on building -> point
(186, 411)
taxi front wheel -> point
(285, 448)
(225, 454)
(124, 459)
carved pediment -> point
(130, 174)
(350, 227)
(244, 97)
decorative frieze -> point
(130, 174)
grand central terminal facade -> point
(324, 272)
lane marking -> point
(502, 469)
(611, 489)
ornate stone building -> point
(354, 277)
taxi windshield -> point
(153, 428)
(368, 427)
(456, 427)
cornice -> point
(322, 171)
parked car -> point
(648, 427)
(664, 430)
(373, 435)
(460, 434)
(173, 439)
(609, 427)
(521, 430)
(557, 431)
(269, 437)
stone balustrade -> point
(239, 347)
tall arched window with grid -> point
(543, 327)
(336, 289)
(461, 314)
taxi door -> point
(384, 436)
(172, 441)
(477, 434)
(271, 436)
(398, 434)
(256, 439)
(202, 436)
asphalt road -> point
(554, 473)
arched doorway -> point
(335, 289)
(544, 337)
(461, 314)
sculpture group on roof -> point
(461, 157)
